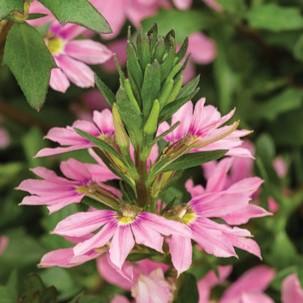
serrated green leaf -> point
(28, 58)
(275, 18)
(105, 91)
(7, 6)
(79, 12)
(194, 159)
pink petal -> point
(75, 170)
(183, 4)
(202, 49)
(119, 299)
(83, 223)
(76, 71)
(112, 274)
(121, 245)
(100, 239)
(194, 190)
(147, 237)
(88, 51)
(180, 249)
(292, 292)
(255, 297)
(58, 80)
(254, 280)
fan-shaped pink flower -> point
(70, 140)
(204, 124)
(222, 176)
(217, 238)
(250, 287)
(292, 292)
(57, 192)
(72, 56)
(145, 279)
(210, 280)
(121, 230)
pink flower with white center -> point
(292, 292)
(215, 238)
(72, 56)
(101, 126)
(145, 279)
(203, 126)
(250, 287)
(3, 244)
(210, 280)
(57, 192)
(120, 230)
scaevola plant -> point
(152, 132)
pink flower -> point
(216, 201)
(118, 47)
(3, 244)
(292, 292)
(70, 140)
(4, 138)
(280, 167)
(134, 10)
(37, 8)
(145, 279)
(57, 192)
(72, 56)
(202, 127)
(122, 230)
(183, 4)
(119, 299)
(250, 287)
(213, 4)
(210, 280)
(201, 48)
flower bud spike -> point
(120, 134)
(151, 124)
(166, 91)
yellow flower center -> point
(128, 216)
(187, 215)
(55, 45)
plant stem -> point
(143, 195)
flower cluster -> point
(152, 131)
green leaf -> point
(7, 6)
(151, 86)
(298, 49)
(99, 143)
(28, 58)
(183, 22)
(79, 12)
(194, 159)
(134, 69)
(105, 91)
(286, 101)
(275, 18)
(9, 172)
(188, 291)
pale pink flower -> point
(37, 8)
(217, 202)
(118, 48)
(145, 279)
(213, 4)
(57, 192)
(3, 244)
(201, 48)
(121, 230)
(73, 56)
(292, 291)
(250, 287)
(222, 176)
(117, 12)
(210, 280)
(182, 4)
(280, 166)
(5, 139)
(203, 124)
(70, 140)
